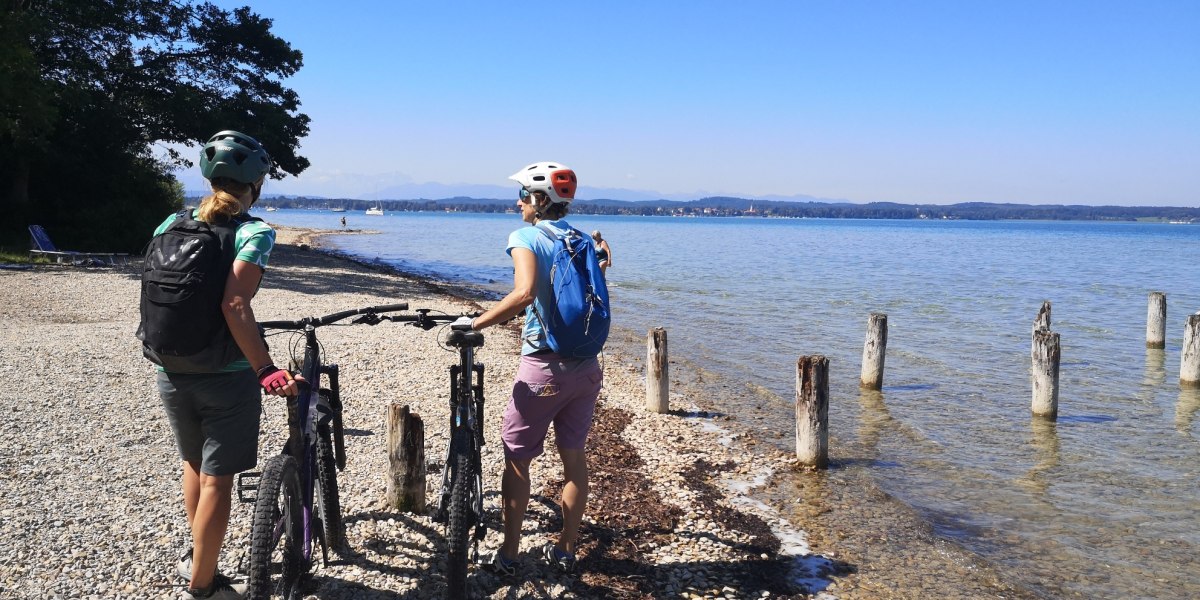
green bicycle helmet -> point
(234, 155)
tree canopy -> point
(93, 93)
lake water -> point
(1109, 495)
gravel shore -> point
(90, 477)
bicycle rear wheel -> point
(275, 535)
(459, 520)
(329, 506)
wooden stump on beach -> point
(1156, 321)
(874, 350)
(658, 384)
(1046, 356)
(812, 411)
(1189, 362)
(406, 460)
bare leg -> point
(514, 488)
(191, 489)
(209, 523)
(574, 496)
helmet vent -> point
(210, 152)
(539, 177)
(239, 157)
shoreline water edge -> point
(684, 505)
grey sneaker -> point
(222, 588)
(183, 568)
(499, 565)
(562, 561)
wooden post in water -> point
(1046, 355)
(1189, 363)
(812, 411)
(874, 349)
(1156, 321)
(1042, 322)
(406, 460)
(658, 383)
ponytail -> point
(224, 203)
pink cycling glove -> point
(273, 379)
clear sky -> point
(916, 102)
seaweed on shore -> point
(628, 518)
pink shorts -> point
(549, 390)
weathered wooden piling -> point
(658, 383)
(1189, 363)
(1042, 322)
(1044, 376)
(874, 349)
(1156, 321)
(406, 459)
(812, 411)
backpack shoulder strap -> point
(545, 229)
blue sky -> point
(914, 102)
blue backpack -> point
(576, 321)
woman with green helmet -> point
(215, 414)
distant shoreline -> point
(718, 207)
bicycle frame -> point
(460, 500)
(466, 410)
(316, 446)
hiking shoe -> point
(500, 565)
(563, 561)
(222, 588)
(183, 568)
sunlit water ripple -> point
(1105, 503)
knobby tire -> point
(278, 505)
(329, 506)
(459, 519)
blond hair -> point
(225, 202)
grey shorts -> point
(215, 418)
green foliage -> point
(93, 90)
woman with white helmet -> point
(548, 388)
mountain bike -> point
(295, 496)
(460, 501)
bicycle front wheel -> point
(329, 506)
(275, 535)
(459, 521)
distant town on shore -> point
(741, 207)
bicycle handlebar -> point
(424, 320)
(335, 317)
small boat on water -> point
(375, 211)
(338, 209)
(271, 209)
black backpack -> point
(183, 282)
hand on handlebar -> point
(464, 323)
(278, 382)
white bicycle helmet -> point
(554, 179)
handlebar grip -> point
(280, 324)
(327, 319)
(387, 308)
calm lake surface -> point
(1105, 503)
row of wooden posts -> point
(406, 437)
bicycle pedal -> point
(247, 486)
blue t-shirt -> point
(531, 238)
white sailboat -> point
(375, 211)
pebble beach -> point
(92, 507)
